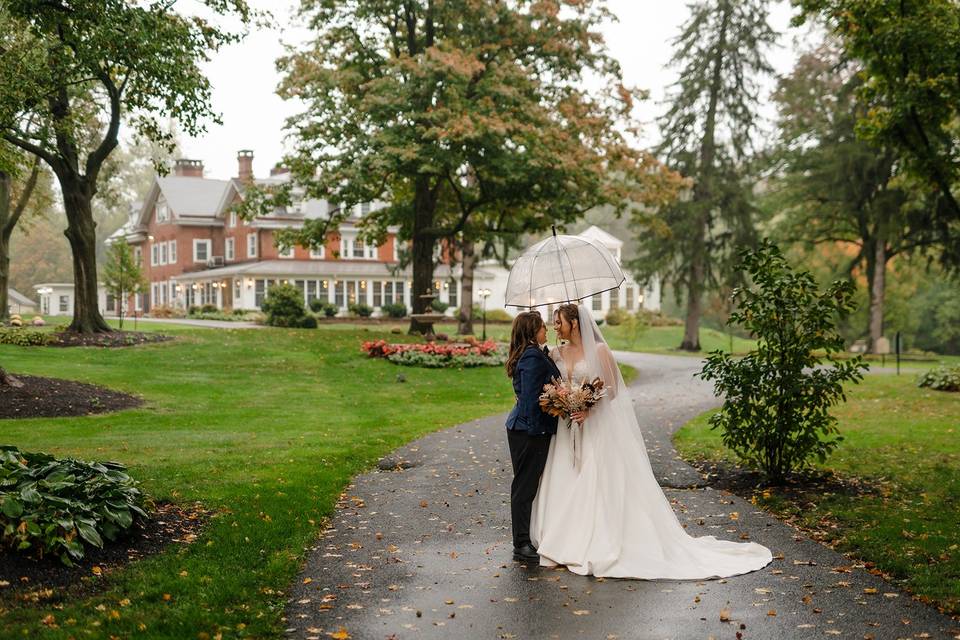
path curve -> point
(425, 553)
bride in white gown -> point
(601, 512)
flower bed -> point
(434, 355)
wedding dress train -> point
(606, 515)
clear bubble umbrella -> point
(560, 269)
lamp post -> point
(484, 294)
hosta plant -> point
(51, 506)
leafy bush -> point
(209, 308)
(24, 337)
(434, 361)
(284, 306)
(498, 315)
(308, 322)
(439, 307)
(941, 379)
(53, 506)
(396, 310)
(617, 316)
(330, 310)
(316, 305)
(361, 309)
(634, 325)
(193, 309)
(775, 415)
(164, 311)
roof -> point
(314, 268)
(188, 196)
(594, 232)
(16, 297)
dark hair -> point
(522, 334)
(568, 311)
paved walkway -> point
(208, 324)
(426, 553)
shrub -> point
(330, 310)
(439, 307)
(54, 506)
(498, 315)
(284, 306)
(396, 310)
(193, 309)
(316, 305)
(209, 308)
(239, 312)
(775, 415)
(634, 325)
(361, 309)
(308, 322)
(164, 311)
(24, 337)
(941, 379)
(617, 316)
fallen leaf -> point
(340, 634)
(772, 612)
(724, 615)
(581, 612)
(870, 590)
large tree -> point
(707, 133)
(911, 72)
(16, 190)
(459, 114)
(73, 72)
(831, 187)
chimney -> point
(188, 168)
(245, 165)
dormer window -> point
(163, 211)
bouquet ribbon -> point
(576, 435)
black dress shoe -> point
(526, 552)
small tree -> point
(284, 306)
(775, 414)
(122, 275)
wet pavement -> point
(425, 552)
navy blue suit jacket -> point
(534, 369)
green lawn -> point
(263, 426)
(906, 442)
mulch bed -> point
(26, 580)
(106, 339)
(797, 488)
(52, 398)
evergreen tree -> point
(707, 135)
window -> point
(233, 219)
(228, 249)
(364, 208)
(138, 256)
(398, 292)
(154, 255)
(258, 292)
(163, 253)
(172, 252)
(597, 302)
(396, 256)
(173, 292)
(317, 253)
(163, 211)
(630, 292)
(301, 286)
(351, 292)
(615, 298)
(339, 287)
(252, 246)
(323, 292)
(377, 293)
(452, 294)
(311, 291)
(64, 304)
(201, 250)
(285, 252)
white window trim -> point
(289, 254)
(197, 242)
(233, 219)
(154, 254)
(319, 253)
(163, 253)
(252, 245)
(229, 249)
(172, 252)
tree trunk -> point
(877, 291)
(468, 262)
(424, 206)
(81, 232)
(4, 244)
(8, 380)
(691, 329)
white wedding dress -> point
(603, 513)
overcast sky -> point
(244, 78)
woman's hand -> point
(579, 416)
